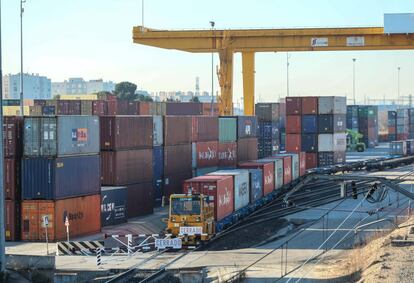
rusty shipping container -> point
(227, 154)
(207, 109)
(177, 130)
(12, 220)
(293, 124)
(184, 108)
(12, 136)
(205, 128)
(126, 167)
(99, 107)
(144, 108)
(293, 105)
(12, 178)
(126, 132)
(140, 200)
(311, 160)
(309, 105)
(177, 159)
(205, 154)
(293, 143)
(117, 107)
(247, 149)
(220, 190)
(173, 184)
(268, 170)
(83, 213)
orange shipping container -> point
(84, 215)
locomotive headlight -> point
(198, 219)
(173, 219)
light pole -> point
(287, 74)
(142, 15)
(398, 86)
(2, 202)
(212, 70)
(353, 79)
(21, 56)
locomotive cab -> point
(191, 218)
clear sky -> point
(93, 39)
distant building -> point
(34, 86)
(77, 86)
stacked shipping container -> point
(392, 125)
(368, 125)
(60, 176)
(268, 137)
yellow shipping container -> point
(78, 97)
(15, 110)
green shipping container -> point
(227, 129)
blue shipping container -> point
(113, 205)
(246, 126)
(62, 177)
(309, 124)
(256, 184)
(158, 174)
(310, 143)
(48, 110)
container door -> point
(30, 221)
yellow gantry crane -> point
(248, 42)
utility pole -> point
(21, 56)
(212, 23)
(142, 14)
(287, 74)
(398, 86)
(353, 79)
(2, 202)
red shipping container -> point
(144, 108)
(177, 129)
(12, 220)
(83, 213)
(227, 154)
(247, 149)
(293, 106)
(117, 107)
(205, 128)
(140, 200)
(310, 105)
(293, 124)
(126, 132)
(268, 170)
(311, 160)
(99, 107)
(293, 143)
(205, 154)
(302, 163)
(74, 107)
(62, 107)
(12, 178)
(177, 159)
(220, 189)
(287, 168)
(126, 166)
(207, 109)
(13, 136)
(173, 184)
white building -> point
(34, 86)
(78, 86)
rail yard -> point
(106, 182)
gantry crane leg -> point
(225, 76)
(248, 82)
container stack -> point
(177, 153)
(127, 154)
(352, 117)
(368, 125)
(205, 131)
(13, 137)
(227, 148)
(403, 126)
(246, 138)
(411, 123)
(331, 128)
(158, 160)
(268, 138)
(60, 177)
(392, 126)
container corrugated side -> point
(256, 184)
(325, 142)
(140, 199)
(268, 169)
(11, 179)
(205, 128)
(62, 177)
(246, 127)
(177, 159)
(241, 186)
(177, 130)
(113, 205)
(12, 220)
(158, 130)
(227, 129)
(204, 154)
(158, 173)
(227, 154)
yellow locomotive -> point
(191, 218)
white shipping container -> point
(278, 164)
(325, 142)
(241, 186)
(398, 23)
(157, 130)
(332, 105)
(398, 148)
(339, 141)
(295, 166)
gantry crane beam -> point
(227, 42)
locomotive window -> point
(185, 206)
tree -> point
(194, 99)
(103, 95)
(126, 91)
(145, 98)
